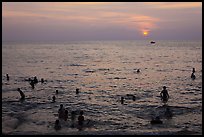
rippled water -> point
(104, 72)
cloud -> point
(174, 5)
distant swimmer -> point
(138, 70)
(77, 91)
(57, 125)
(21, 93)
(81, 118)
(193, 76)
(32, 83)
(156, 121)
(164, 95)
(122, 100)
(7, 77)
(61, 112)
(133, 98)
(42, 80)
(35, 80)
(53, 98)
(56, 92)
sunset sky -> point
(67, 21)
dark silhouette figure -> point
(32, 83)
(77, 91)
(21, 93)
(66, 115)
(57, 125)
(56, 92)
(42, 80)
(193, 76)
(138, 70)
(35, 80)
(53, 98)
(61, 112)
(81, 118)
(193, 70)
(164, 95)
(73, 117)
(7, 77)
(133, 97)
(156, 121)
(122, 100)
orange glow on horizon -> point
(145, 33)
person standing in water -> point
(81, 118)
(164, 95)
(193, 75)
(7, 77)
(21, 93)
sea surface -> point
(104, 71)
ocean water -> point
(104, 71)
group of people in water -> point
(63, 116)
(63, 113)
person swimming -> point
(77, 91)
(164, 95)
(7, 77)
(57, 125)
(122, 100)
(53, 98)
(21, 93)
(35, 80)
(61, 112)
(32, 83)
(42, 80)
(56, 92)
(138, 70)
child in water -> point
(57, 125)
(164, 95)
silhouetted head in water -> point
(77, 91)
(122, 100)
(138, 71)
(7, 77)
(53, 98)
(35, 80)
(133, 98)
(42, 80)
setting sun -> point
(145, 33)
